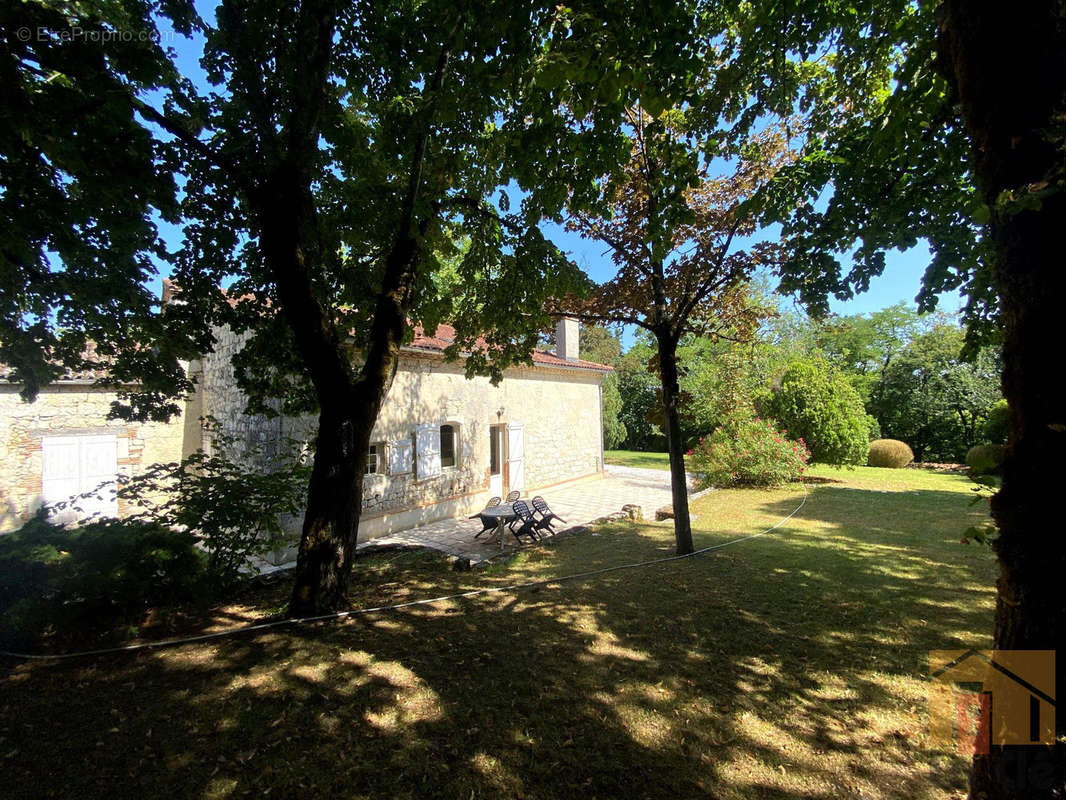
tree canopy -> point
(335, 158)
(671, 230)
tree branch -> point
(187, 138)
(614, 243)
(713, 279)
(432, 91)
(613, 318)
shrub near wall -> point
(93, 575)
(747, 452)
(891, 453)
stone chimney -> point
(170, 291)
(567, 332)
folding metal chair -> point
(523, 515)
(488, 523)
(546, 514)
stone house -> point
(63, 445)
(442, 444)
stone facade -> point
(558, 408)
(69, 409)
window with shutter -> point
(375, 460)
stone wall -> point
(559, 409)
(67, 410)
(220, 398)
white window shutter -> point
(516, 456)
(61, 474)
(427, 459)
(400, 457)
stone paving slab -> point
(578, 503)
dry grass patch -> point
(788, 666)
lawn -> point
(635, 458)
(792, 665)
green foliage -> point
(885, 164)
(460, 126)
(932, 399)
(717, 380)
(641, 410)
(985, 459)
(997, 425)
(874, 432)
(864, 344)
(82, 183)
(600, 344)
(817, 403)
(194, 527)
(614, 429)
(97, 573)
(890, 453)
(604, 346)
(747, 451)
(908, 370)
(416, 121)
(231, 500)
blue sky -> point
(900, 282)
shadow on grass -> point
(790, 666)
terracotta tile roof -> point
(88, 374)
(445, 335)
(441, 338)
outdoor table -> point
(502, 514)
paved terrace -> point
(578, 503)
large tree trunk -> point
(349, 410)
(1007, 63)
(331, 521)
(346, 425)
(335, 493)
(671, 409)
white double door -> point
(77, 465)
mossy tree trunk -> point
(1007, 65)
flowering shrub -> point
(748, 451)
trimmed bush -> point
(891, 453)
(985, 459)
(747, 451)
